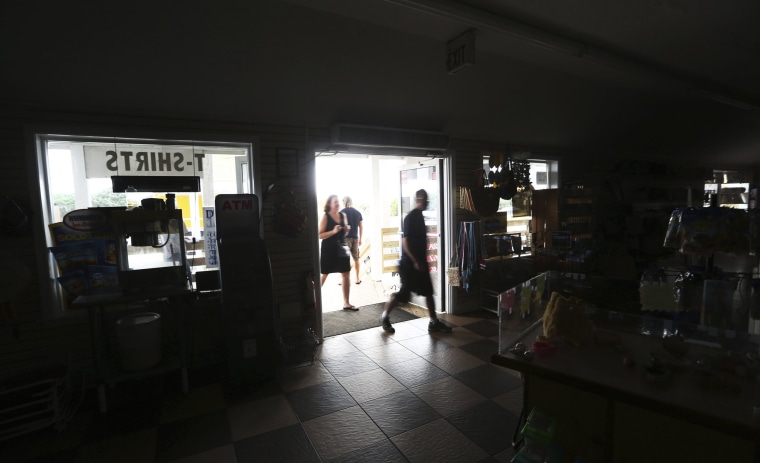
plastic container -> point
(539, 428)
(139, 337)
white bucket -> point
(139, 338)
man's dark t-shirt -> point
(416, 236)
(354, 217)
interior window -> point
(76, 173)
(518, 209)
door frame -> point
(449, 301)
(242, 175)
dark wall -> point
(40, 339)
(278, 62)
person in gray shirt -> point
(354, 235)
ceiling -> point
(649, 79)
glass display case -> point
(612, 372)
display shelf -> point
(577, 210)
(501, 244)
(545, 218)
(489, 300)
(495, 248)
(562, 261)
(46, 395)
(502, 266)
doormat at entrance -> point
(346, 321)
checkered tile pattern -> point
(371, 397)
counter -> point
(642, 389)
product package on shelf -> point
(656, 292)
(75, 256)
(85, 258)
(539, 435)
(706, 230)
(99, 276)
(672, 234)
(717, 302)
(74, 284)
(688, 292)
(565, 319)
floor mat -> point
(346, 321)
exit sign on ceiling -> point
(460, 52)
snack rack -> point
(298, 346)
(47, 395)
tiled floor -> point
(371, 397)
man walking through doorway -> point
(354, 236)
(413, 268)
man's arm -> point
(408, 252)
(361, 231)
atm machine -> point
(247, 289)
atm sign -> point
(237, 205)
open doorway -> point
(377, 187)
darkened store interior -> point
(592, 223)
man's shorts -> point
(353, 246)
(413, 281)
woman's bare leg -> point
(346, 288)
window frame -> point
(40, 192)
(552, 169)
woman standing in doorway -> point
(334, 254)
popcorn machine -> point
(151, 238)
(151, 248)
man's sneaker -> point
(386, 323)
(437, 325)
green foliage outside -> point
(108, 198)
(64, 201)
(394, 207)
(104, 198)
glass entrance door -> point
(426, 175)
